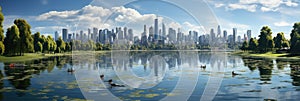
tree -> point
(61, 44)
(26, 43)
(1, 26)
(253, 44)
(2, 48)
(39, 47)
(12, 40)
(280, 41)
(36, 41)
(265, 41)
(295, 39)
(245, 46)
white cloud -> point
(290, 3)
(252, 5)
(250, 8)
(193, 27)
(266, 9)
(218, 5)
(282, 24)
(99, 17)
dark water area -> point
(152, 76)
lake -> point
(152, 75)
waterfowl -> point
(113, 84)
(233, 73)
(70, 70)
(102, 76)
(204, 66)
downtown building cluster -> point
(158, 34)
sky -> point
(48, 16)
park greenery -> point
(279, 43)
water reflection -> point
(153, 76)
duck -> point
(113, 84)
(70, 70)
(204, 66)
(234, 74)
(101, 76)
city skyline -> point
(255, 14)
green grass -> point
(29, 56)
(266, 55)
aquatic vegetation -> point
(151, 95)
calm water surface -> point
(152, 76)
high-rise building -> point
(65, 34)
(172, 35)
(234, 31)
(81, 36)
(248, 35)
(163, 30)
(95, 33)
(145, 31)
(239, 39)
(130, 34)
(219, 31)
(151, 34)
(212, 34)
(56, 35)
(89, 34)
(125, 33)
(225, 35)
(195, 36)
(155, 29)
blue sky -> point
(47, 16)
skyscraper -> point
(163, 30)
(89, 34)
(156, 29)
(95, 33)
(219, 31)
(56, 35)
(212, 34)
(248, 35)
(130, 34)
(65, 34)
(125, 33)
(234, 34)
(145, 31)
(225, 35)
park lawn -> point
(29, 56)
(266, 55)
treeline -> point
(266, 43)
(19, 40)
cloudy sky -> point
(48, 16)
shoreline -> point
(269, 55)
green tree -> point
(36, 41)
(265, 41)
(68, 46)
(2, 48)
(245, 46)
(1, 26)
(253, 43)
(12, 41)
(295, 39)
(26, 44)
(61, 44)
(39, 47)
(280, 41)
